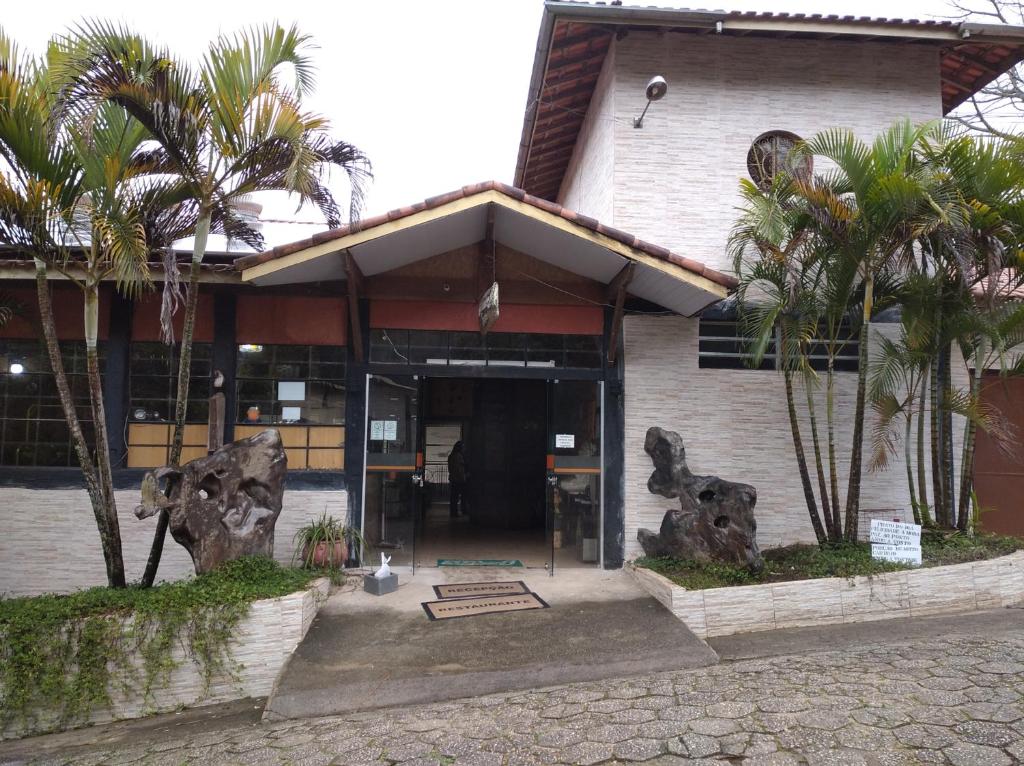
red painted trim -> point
(68, 313)
(146, 319)
(292, 320)
(438, 315)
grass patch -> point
(61, 656)
(808, 562)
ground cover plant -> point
(65, 655)
(806, 562)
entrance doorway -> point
(499, 511)
(531, 459)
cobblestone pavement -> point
(951, 700)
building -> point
(363, 344)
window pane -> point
(506, 348)
(467, 348)
(583, 351)
(428, 347)
(322, 396)
(390, 346)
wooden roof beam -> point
(617, 293)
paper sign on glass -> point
(291, 391)
(390, 430)
(565, 441)
(376, 430)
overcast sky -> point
(433, 91)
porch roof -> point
(524, 223)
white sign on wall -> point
(896, 541)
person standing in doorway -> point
(457, 481)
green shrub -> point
(805, 562)
(64, 653)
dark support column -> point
(614, 452)
(355, 415)
(115, 377)
(225, 355)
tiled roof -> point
(583, 221)
(575, 37)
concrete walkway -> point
(944, 691)
(366, 652)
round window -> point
(772, 153)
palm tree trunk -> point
(801, 460)
(946, 414)
(907, 457)
(833, 469)
(857, 452)
(941, 518)
(970, 439)
(181, 405)
(113, 553)
(819, 467)
(92, 485)
(922, 481)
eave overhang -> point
(526, 224)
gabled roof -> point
(575, 37)
(522, 222)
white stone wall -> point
(263, 642)
(675, 181)
(50, 543)
(924, 592)
(588, 186)
(735, 424)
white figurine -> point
(385, 570)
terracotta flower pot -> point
(323, 556)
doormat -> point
(470, 589)
(479, 563)
(471, 607)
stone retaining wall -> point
(911, 593)
(263, 642)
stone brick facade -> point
(675, 181)
(734, 424)
(50, 544)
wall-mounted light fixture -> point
(656, 90)
(16, 368)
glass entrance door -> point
(575, 489)
(393, 479)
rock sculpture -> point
(225, 505)
(715, 518)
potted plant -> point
(323, 542)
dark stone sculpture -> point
(225, 505)
(715, 519)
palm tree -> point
(769, 246)
(89, 213)
(878, 202)
(230, 127)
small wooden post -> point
(215, 436)
(617, 293)
(215, 432)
